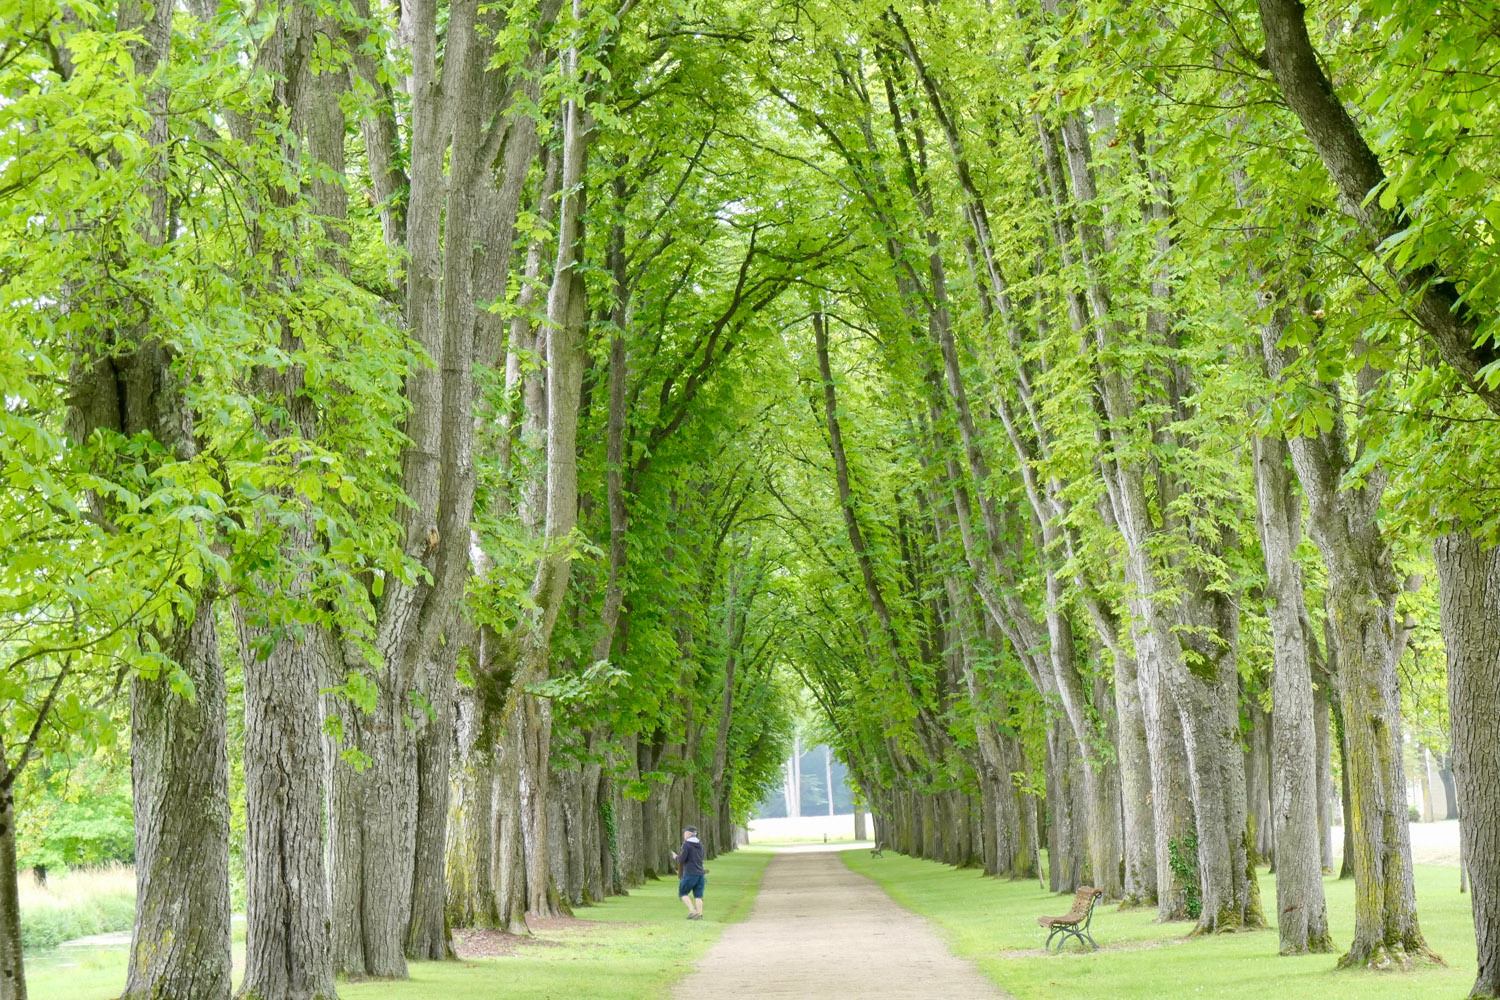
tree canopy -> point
(444, 443)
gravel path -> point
(819, 930)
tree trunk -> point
(1324, 764)
(508, 821)
(859, 822)
(595, 845)
(372, 813)
(828, 776)
(179, 768)
(1450, 792)
(631, 861)
(179, 763)
(566, 314)
(1138, 826)
(471, 896)
(457, 234)
(1362, 611)
(1302, 912)
(12, 968)
(1171, 802)
(1364, 644)
(1469, 577)
(1258, 780)
(288, 952)
(428, 936)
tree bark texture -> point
(1469, 577)
(471, 896)
(1258, 779)
(372, 808)
(566, 314)
(288, 952)
(12, 968)
(509, 821)
(427, 934)
(457, 231)
(179, 763)
(179, 770)
(1138, 826)
(1302, 912)
(1322, 731)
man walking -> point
(690, 879)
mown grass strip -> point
(993, 923)
(627, 948)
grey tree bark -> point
(1302, 912)
(457, 232)
(287, 945)
(1324, 763)
(428, 934)
(471, 897)
(1258, 778)
(1137, 821)
(12, 966)
(179, 771)
(1469, 578)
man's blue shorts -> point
(690, 884)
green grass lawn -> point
(627, 948)
(993, 923)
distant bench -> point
(1076, 923)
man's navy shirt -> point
(691, 857)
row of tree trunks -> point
(1361, 584)
(1361, 622)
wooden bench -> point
(878, 850)
(1076, 923)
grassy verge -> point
(993, 923)
(79, 904)
(627, 948)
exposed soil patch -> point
(472, 943)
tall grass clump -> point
(84, 901)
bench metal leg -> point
(1065, 931)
